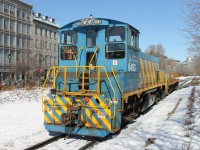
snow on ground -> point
(22, 124)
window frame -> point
(107, 39)
(75, 40)
(92, 46)
(72, 53)
(106, 51)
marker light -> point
(79, 23)
(97, 21)
(87, 99)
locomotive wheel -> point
(157, 100)
(163, 95)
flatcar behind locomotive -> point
(102, 79)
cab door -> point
(91, 39)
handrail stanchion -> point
(83, 80)
(65, 80)
(98, 79)
(92, 59)
(113, 71)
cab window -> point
(132, 41)
(115, 34)
(115, 51)
(91, 38)
(68, 37)
(68, 52)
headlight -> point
(87, 21)
(79, 23)
(97, 21)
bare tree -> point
(158, 51)
(192, 28)
(196, 65)
(20, 68)
(40, 52)
(192, 32)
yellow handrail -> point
(113, 92)
(113, 71)
(55, 73)
(65, 80)
(42, 91)
(94, 54)
(75, 59)
(92, 59)
(83, 80)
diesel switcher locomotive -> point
(102, 80)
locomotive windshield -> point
(115, 51)
(68, 52)
(115, 34)
(68, 37)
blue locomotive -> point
(102, 80)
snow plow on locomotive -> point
(102, 79)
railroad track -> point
(89, 144)
(56, 138)
(46, 142)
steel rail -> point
(46, 142)
(89, 145)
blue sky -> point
(159, 21)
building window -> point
(1, 7)
(28, 43)
(18, 13)
(42, 45)
(12, 39)
(36, 43)
(1, 38)
(24, 58)
(12, 10)
(24, 29)
(6, 23)
(23, 14)
(6, 40)
(55, 47)
(18, 27)
(1, 56)
(18, 42)
(28, 16)
(28, 30)
(36, 32)
(12, 26)
(50, 34)
(6, 9)
(23, 42)
(41, 31)
(1, 23)
(12, 57)
(55, 60)
(46, 59)
(46, 45)
(45, 32)
(18, 56)
(55, 35)
(6, 61)
(50, 46)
